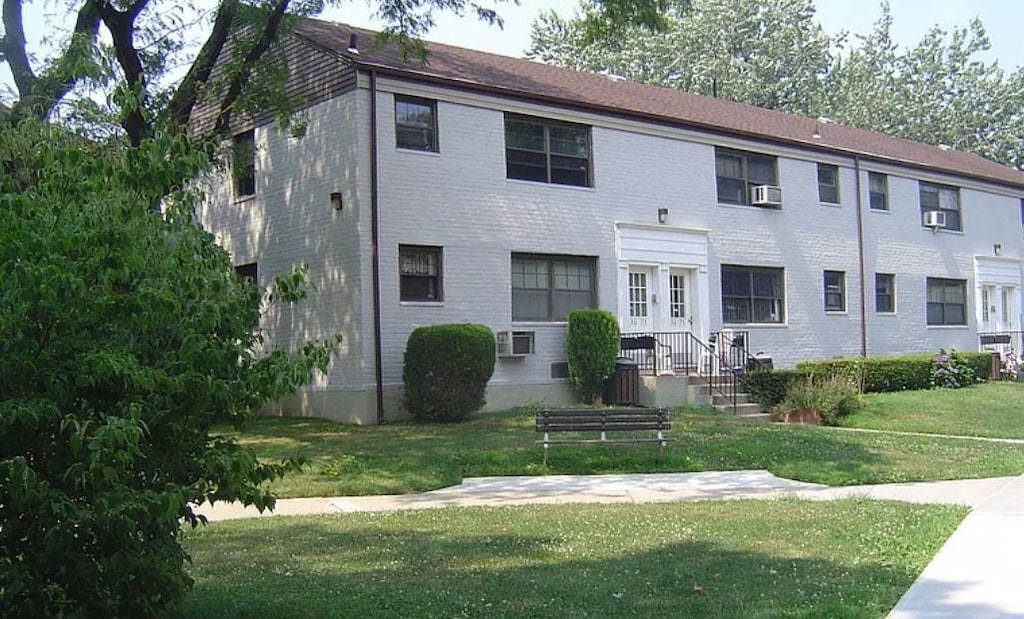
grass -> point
(992, 410)
(406, 457)
(785, 558)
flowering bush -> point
(951, 371)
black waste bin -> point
(760, 362)
(623, 387)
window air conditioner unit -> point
(935, 219)
(766, 195)
(511, 344)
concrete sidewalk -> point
(976, 574)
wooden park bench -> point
(604, 421)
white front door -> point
(988, 309)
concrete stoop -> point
(670, 390)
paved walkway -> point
(976, 574)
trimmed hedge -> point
(446, 370)
(882, 374)
(591, 345)
(769, 388)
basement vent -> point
(560, 369)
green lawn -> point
(407, 457)
(991, 409)
(784, 558)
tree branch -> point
(61, 78)
(238, 81)
(121, 25)
(187, 93)
(13, 47)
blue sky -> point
(1003, 19)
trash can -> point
(623, 387)
(760, 362)
(997, 367)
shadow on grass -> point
(511, 568)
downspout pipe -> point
(378, 352)
(860, 259)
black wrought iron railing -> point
(717, 362)
(1002, 342)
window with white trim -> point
(878, 191)
(677, 294)
(828, 183)
(947, 301)
(419, 273)
(737, 173)
(942, 198)
(547, 151)
(885, 293)
(752, 295)
(835, 291)
(415, 124)
(546, 288)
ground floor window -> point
(752, 294)
(677, 293)
(548, 287)
(419, 273)
(947, 301)
(637, 294)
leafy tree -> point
(770, 53)
(774, 54)
(935, 92)
(125, 340)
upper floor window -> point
(547, 151)
(416, 124)
(752, 294)
(942, 198)
(738, 173)
(878, 191)
(947, 301)
(547, 288)
(835, 291)
(885, 293)
(243, 164)
(828, 183)
(419, 270)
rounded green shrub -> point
(591, 345)
(446, 370)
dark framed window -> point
(243, 164)
(752, 294)
(738, 173)
(885, 293)
(878, 191)
(247, 272)
(828, 183)
(947, 301)
(416, 124)
(546, 288)
(420, 272)
(835, 291)
(546, 151)
(941, 198)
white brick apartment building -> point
(505, 192)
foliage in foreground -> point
(789, 558)
(445, 371)
(125, 338)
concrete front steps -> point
(672, 390)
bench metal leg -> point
(661, 448)
(546, 448)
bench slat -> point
(631, 427)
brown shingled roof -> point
(533, 80)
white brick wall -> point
(460, 199)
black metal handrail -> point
(681, 352)
(1001, 341)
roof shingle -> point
(526, 79)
